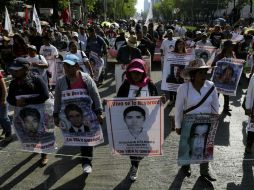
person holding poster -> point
(83, 60)
(197, 96)
(74, 79)
(181, 49)
(136, 84)
(250, 112)
(26, 83)
(227, 52)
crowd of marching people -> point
(62, 59)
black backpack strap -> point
(201, 102)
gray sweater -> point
(61, 85)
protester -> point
(83, 60)
(4, 118)
(50, 53)
(216, 36)
(168, 45)
(249, 103)
(227, 52)
(19, 46)
(76, 79)
(136, 84)
(26, 83)
(204, 41)
(39, 64)
(120, 40)
(190, 94)
(125, 55)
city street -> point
(234, 171)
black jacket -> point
(32, 84)
(125, 87)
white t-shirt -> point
(188, 96)
(167, 46)
(134, 89)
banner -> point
(97, 65)
(78, 122)
(197, 138)
(135, 126)
(7, 22)
(172, 69)
(227, 74)
(37, 21)
(206, 52)
(34, 126)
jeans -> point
(5, 120)
(87, 152)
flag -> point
(150, 14)
(26, 15)
(37, 21)
(7, 23)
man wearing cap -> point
(75, 79)
(167, 45)
(39, 64)
(204, 41)
(25, 82)
(81, 44)
(125, 55)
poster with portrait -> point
(227, 74)
(197, 138)
(135, 126)
(206, 52)
(172, 68)
(78, 121)
(97, 65)
(34, 126)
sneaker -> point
(186, 170)
(87, 168)
(133, 173)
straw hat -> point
(132, 41)
(196, 64)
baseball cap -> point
(32, 47)
(71, 59)
(74, 34)
(19, 63)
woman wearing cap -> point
(227, 52)
(76, 79)
(190, 94)
(136, 84)
(84, 63)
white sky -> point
(140, 5)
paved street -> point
(20, 170)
